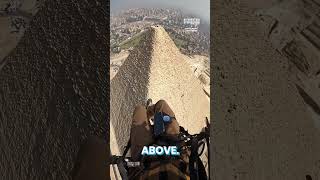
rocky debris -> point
(54, 90)
(204, 79)
(116, 60)
(155, 69)
(15, 16)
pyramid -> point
(155, 69)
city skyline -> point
(200, 8)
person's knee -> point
(139, 115)
(160, 103)
(139, 108)
(163, 106)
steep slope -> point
(157, 70)
(53, 90)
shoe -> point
(149, 103)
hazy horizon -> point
(200, 8)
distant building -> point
(191, 29)
(153, 19)
(134, 18)
(195, 22)
(191, 24)
(116, 49)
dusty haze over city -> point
(199, 8)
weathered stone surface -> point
(54, 90)
(294, 31)
(261, 126)
(15, 16)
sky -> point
(197, 7)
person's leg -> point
(173, 127)
(141, 133)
